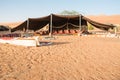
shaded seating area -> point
(5, 31)
(10, 35)
(65, 31)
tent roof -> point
(38, 23)
(4, 28)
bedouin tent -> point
(4, 28)
(60, 22)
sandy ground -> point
(107, 19)
(10, 24)
(69, 58)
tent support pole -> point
(115, 30)
(80, 27)
(67, 26)
(50, 26)
(27, 24)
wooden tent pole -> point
(27, 24)
(115, 30)
(80, 20)
(67, 24)
(51, 25)
(9, 29)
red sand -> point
(11, 24)
(107, 19)
(69, 58)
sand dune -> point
(107, 19)
(69, 58)
(11, 24)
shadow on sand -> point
(52, 43)
(60, 43)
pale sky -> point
(20, 10)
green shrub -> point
(90, 27)
(118, 28)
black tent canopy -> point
(4, 28)
(58, 22)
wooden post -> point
(115, 30)
(10, 30)
(27, 24)
(80, 27)
(50, 25)
(80, 22)
(67, 24)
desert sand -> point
(68, 58)
(11, 24)
(106, 19)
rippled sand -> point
(69, 58)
